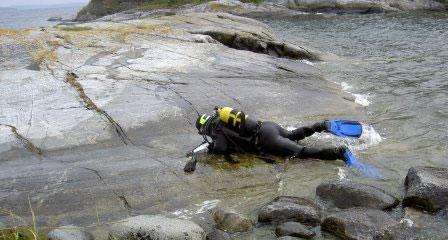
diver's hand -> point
(189, 154)
(190, 166)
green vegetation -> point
(21, 229)
(75, 29)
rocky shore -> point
(271, 8)
(360, 217)
(97, 116)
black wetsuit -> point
(268, 138)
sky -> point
(11, 3)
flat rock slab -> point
(358, 223)
(427, 188)
(294, 229)
(286, 208)
(103, 126)
(155, 228)
(69, 233)
(348, 194)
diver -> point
(232, 130)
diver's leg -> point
(303, 132)
(323, 153)
(272, 141)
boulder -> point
(294, 229)
(155, 227)
(69, 233)
(347, 194)
(287, 238)
(285, 209)
(230, 221)
(217, 234)
(358, 223)
(426, 188)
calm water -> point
(31, 18)
(399, 62)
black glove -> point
(191, 165)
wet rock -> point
(69, 233)
(347, 194)
(155, 227)
(286, 208)
(402, 231)
(259, 44)
(294, 229)
(358, 223)
(217, 234)
(426, 188)
(230, 221)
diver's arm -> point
(219, 145)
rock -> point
(358, 223)
(230, 221)
(402, 231)
(134, 89)
(69, 233)
(426, 188)
(54, 19)
(348, 194)
(287, 238)
(286, 208)
(217, 234)
(294, 229)
(156, 227)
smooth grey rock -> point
(348, 194)
(294, 229)
(426, 188)
(155, 227)
(358, 223)
(147, 77)
(69, 233)
(286, 208)
(287, 238)
(217, 234)
(230, 221)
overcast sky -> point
(7, 3)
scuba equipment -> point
(232, 118)
(344, 128)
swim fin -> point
(349, 158)
(344, 128)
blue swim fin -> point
(344, 128)
(349, 158)
(365, 169)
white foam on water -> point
(408, 222)
(207, 205)
(341, 173)
(307, 62)
(361, 99)
(182, 213)
(345, 86)
(369, 137)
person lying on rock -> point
(231, 131)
